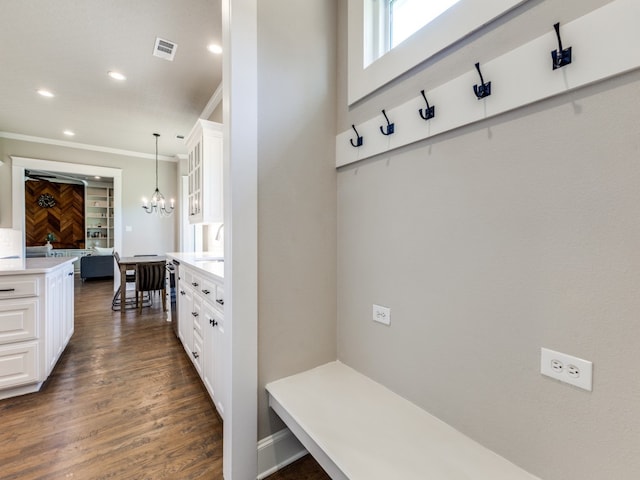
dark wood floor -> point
(123, 402)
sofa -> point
(96, 266)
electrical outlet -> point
(381, 314)
(557, 366)
(566, 368)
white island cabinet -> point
(200, 319)
(36, 320)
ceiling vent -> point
(164, 49)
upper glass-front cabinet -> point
(204, 145)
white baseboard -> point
(277, 451)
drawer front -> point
(196, 355)
(196, 313)
(196, 282)
(208, 290)
(19, 286)
(18, 364)
(186, 276)
(219, 297)
(18, 320)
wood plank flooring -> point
(124, 402)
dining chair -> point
(130, 277)
(150, 277)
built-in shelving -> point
(99, 216)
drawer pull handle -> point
(7, 290)
(195, 354)
(206, 292)
(182, 292)
(220, 301)
(195, 284)
(195, 314)
(213, 322)
(69, 274)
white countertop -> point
(21, 266)
(204, 262)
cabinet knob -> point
(213, 322)
(195, 284)
(69, 274)
(195, 354)
(195, 314)
(206, 292)
(220, 301)
(182, 292)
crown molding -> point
(213, 102)
(84, 146)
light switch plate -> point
(381, 314)
(566, 368)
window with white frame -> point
(388, 23)
(388, 37)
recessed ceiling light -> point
(213, 48)
(45, 93)
(69, 133)
(116, 75)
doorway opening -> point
(20, 167)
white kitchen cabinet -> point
(204, 146)
(212, 375)
(58, 328)
(201, 326)
(18, 366)
(196, 345)
(18, 319)
(36, 323)
(190, 320)
(185, 307)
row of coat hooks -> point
(560, 58)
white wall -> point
(150, 234)
(296, 192)
(492, 241)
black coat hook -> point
(359, 139)
(430, 111)
(560, 57)
(390, 126)
(482, 89)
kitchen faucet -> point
(218, 232)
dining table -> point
(131, 263)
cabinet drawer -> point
(19, 286)
(196, 282)
(196, 313)
(196, 355)
(186, 276)
(18, 320)
(18, 364)
(219, 297)
(208, 290)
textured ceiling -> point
(67, 46)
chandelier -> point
(157, 204)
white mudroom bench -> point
(358, 429)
